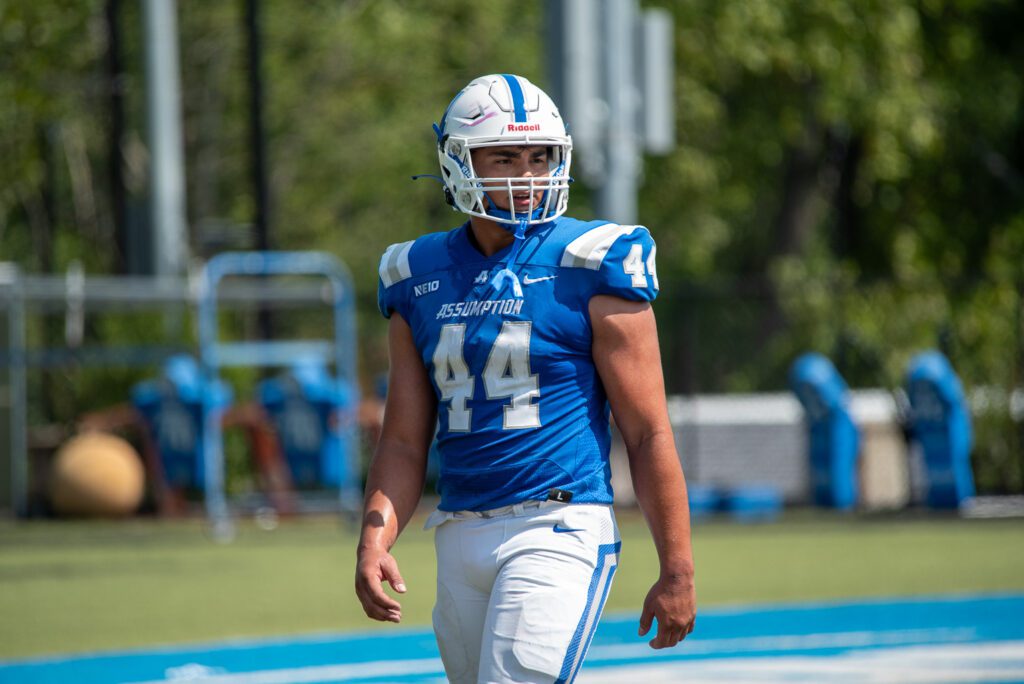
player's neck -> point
(488, 236)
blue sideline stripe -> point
(403, 655)
(518, 100)
(822, 628)
(568, 672)
(235, 656)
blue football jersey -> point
(521, 409)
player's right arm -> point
(395, 480)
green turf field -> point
(79, 586)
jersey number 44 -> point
(505, 375)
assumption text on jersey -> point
(500, 307)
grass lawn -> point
(83, 586)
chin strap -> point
(506, 272)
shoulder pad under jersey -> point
(394, 265)
(622, 257)
(402, 261)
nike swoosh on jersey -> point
(557, 528)
(527, 280)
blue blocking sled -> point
(940, 424)
(834, 440)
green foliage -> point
(49, 52)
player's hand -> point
(373, 567)
(673, 601)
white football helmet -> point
(499, 110)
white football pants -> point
(520, 589)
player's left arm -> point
(628, 359)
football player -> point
(513, 336)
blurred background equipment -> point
(869, 449)
(331, 399)
(180, 409)
(834, 440)
(179, 406)
(97, 474)
(186, 408)
(308, 408)
(940, 426)
(752, 503)
(735, 441)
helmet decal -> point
(481, 115)
(516, 91)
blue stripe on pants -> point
(600, 583)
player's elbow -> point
(650, 439)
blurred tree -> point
(352, 90)
(823, 144)
(52, 199)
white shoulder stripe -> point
(589, 249)
(394, 265)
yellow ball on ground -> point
(97, 474)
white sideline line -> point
(308, 675)
(936, 664)
(786, 642)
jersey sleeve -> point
(393, 271)
(622, 259)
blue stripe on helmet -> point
(518, 100)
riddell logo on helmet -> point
(522, 128)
